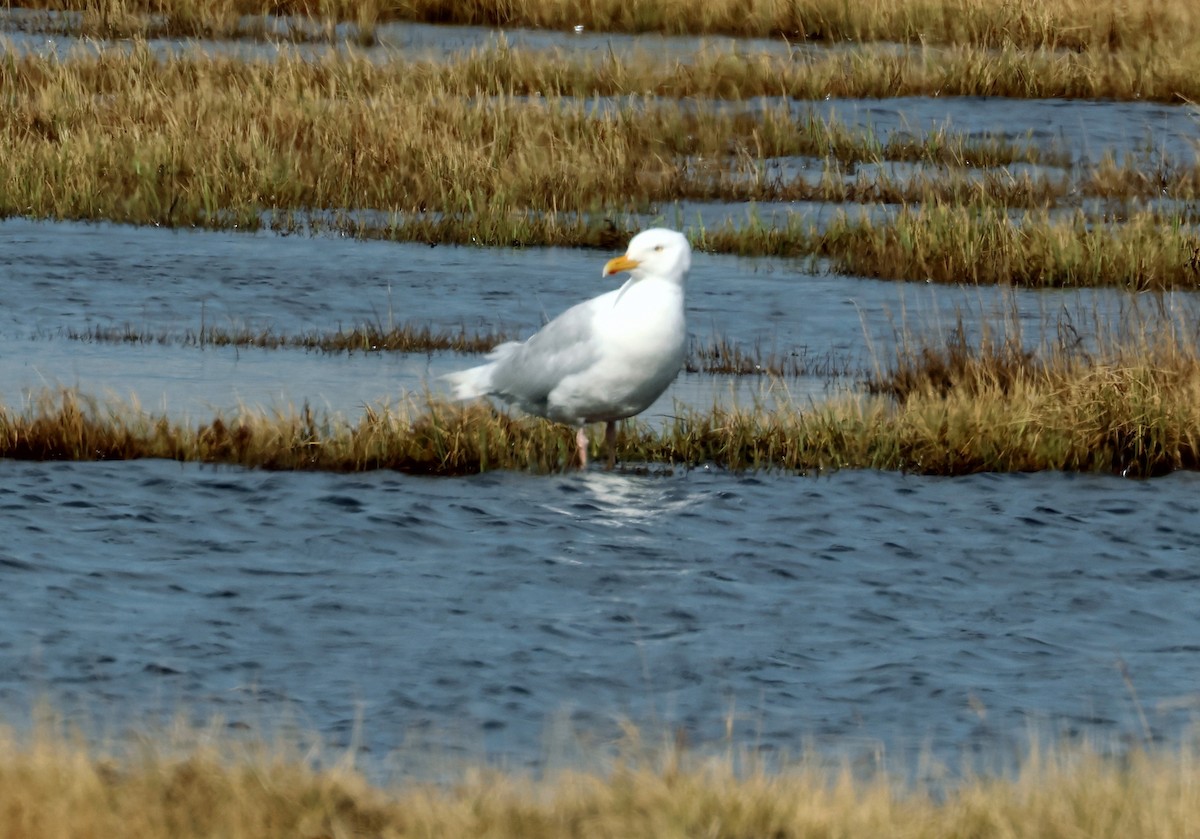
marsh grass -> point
(297, 22)
(57, 785)
(985, 245)
(1148, 73)
(215, 141)
(1059, 24)
(935, 243)
(1125, 401)
(407, 338)
(330, 145)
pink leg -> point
(610, 443)
(581, 441)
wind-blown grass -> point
(339, 143)
(1125, 403)
(52, 785)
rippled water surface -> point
(863, 613)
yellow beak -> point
(618, 264)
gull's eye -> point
(658, 247)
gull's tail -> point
(477, 381)
(471, 383)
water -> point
(860, 613)
(32, 31)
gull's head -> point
(657, 252)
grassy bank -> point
(214, 141)
(330, 145)
(1126, 403)
(54, 786)
(1149, 72)
(1059, 24)
(939, 243)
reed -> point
(1059, 24)
(53, 785)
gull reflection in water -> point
(616, 499)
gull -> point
(602, 360)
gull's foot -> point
(581, 442)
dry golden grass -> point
(1124, 402)
(937, 243)
(1060, 24)
(197, 140)
(53, 786)
(985, 245)
(217, 141)
(368, 338)
(1149, 73)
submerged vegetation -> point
(1074, 25)
(201, 786)
(717, 355)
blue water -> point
(871, 617)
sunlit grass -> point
(936, 243)
(343, 145)
(1124, 401)
(210, 785)
(214, 141)
(1149, 73)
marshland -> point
(907, 547)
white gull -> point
(602, 360)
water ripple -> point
(858, 611)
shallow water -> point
(70, 277)
(519, 618)
(30, 31)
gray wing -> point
(526, 373)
